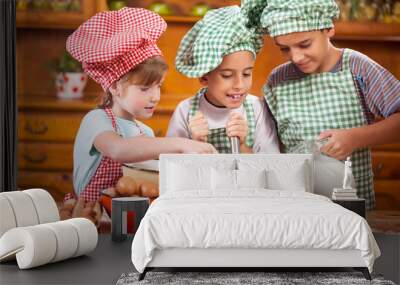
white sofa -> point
(31, 231)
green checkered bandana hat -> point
(281, 17)
(221, 32)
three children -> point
(322, 92)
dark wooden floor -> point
(102, 266)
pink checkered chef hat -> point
(111, 43)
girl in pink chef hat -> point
(118, 50)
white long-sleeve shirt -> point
(265, 137)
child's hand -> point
(198, 127)
(340, 145)
(66, 209)
(88, 210)
(192, 146)
(237, 127)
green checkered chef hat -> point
(281, 17)
(222, 31)
(252, 10)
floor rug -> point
(243, 278)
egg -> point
(126, 186)
(110, 192)
(149, 190)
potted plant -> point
(115, 5)
(60, 5)
(199, 10)
(69, 78)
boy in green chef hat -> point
(324, 92)
(220, 50)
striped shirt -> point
(378, 89)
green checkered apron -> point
(218, 137)
(304, 108)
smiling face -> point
(229, 83)
(311, 52)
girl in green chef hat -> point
(324, 92)
(220, 50)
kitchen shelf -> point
(181, 19)
(36, 102)
(39, 103)
(359, 31)
(367, 31)
(32, 18)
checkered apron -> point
(304, 108)
(106, 175)
(218, 137)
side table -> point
(355, 205)
(120, 207)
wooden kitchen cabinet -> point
(46, 133)
(47, 126)
(42, 126)
(386, 167)
(58, 183)
(43, 156)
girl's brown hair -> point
(146, 73)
